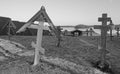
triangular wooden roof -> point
(41, 15)
(5, 23)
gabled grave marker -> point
(41, 16)
(104, 28)
(10, 28)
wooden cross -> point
(91, 30)
(111, 28)
(59, 33)
(87, 32)
(117, 29)
(38, 49)
(104, 28)
(10, 26)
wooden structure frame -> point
(41, 16)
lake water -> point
(98, 31)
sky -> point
(62, 12)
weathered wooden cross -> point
(10, 26)
(87, 31)
(39, 51)
(104, 28)
(91, 31)
(41, 16)
(59, 32)
(117, 29)
(111, 28)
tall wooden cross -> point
(104, 28)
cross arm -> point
(35, 26)
(102, 19)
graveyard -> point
(80, 53)
(84, 52)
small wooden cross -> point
(104, 28)
(59, 33)
(91, 31)
(10, 26)
(87, 32)
(111, 28)
(118, 29)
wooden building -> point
(76, 33)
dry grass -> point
(71, 48)
(114, 51)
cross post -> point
(104, 28)
(9, 31)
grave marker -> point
(59, 32)
(9, 35)
(104, 28)
(117, 31)
(111, 28)
(10, 26)
(91, 31)
(41, 16)
(87, 31)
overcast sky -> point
(62, 12)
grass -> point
(72, 49)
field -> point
(80, 50)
